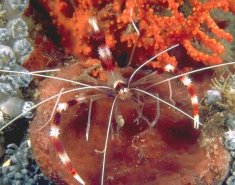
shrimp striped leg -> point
(55, 125)
(192, 93)
(104, 52)
(194, 99)
(54, 134)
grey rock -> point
(4, 35)
(212, 96)
(7, 56)
(15, 8)
(18, 175)
(14, 107)
(229, 140)
(231, 180)
(232, 154)
(21, 171)
(230, 121)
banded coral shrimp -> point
(117, 90)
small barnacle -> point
(22, 47)
(15, 106)
(4, 35)
(15, 7)
(26, 109)
(18, 28)
(23, 79)
(7, 56)
(8, 85)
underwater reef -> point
(117, 92)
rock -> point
(212, 96)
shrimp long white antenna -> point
(195, 119)
(144, 79)
(170, 91)
(106, 140)
(93, 22)
(54, 109)
(190, 72)
(138, 34)
(89, 120)
(50, 98)
(92, 99)
(158, 113)
(45, 71)
(133, 23)
(164, 51)
(34, 73)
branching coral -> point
(160, 24)
(232, 5)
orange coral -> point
(160, 24)
(232, 5)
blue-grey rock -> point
(230, 121)
(18, 176)
(7, 57)
(4, 170)
(15, 8)
(23, 170)
(4, 35)
(14, 107)
(212, 96)
(231, 180)
(229, 140)
(232, 154)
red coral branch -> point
(160, 24)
